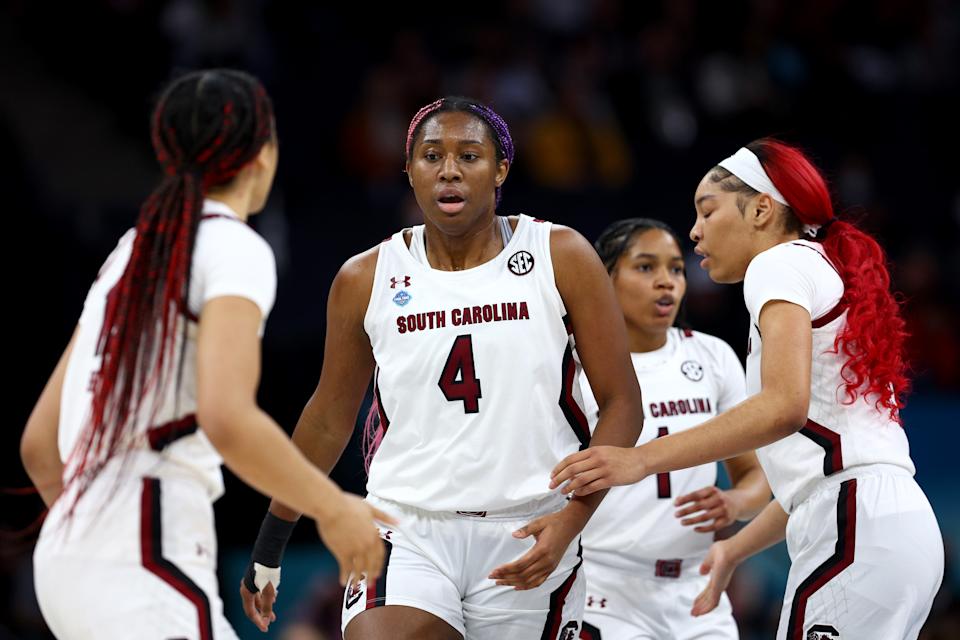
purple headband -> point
(488, 115)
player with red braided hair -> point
(157, 388)
(826, 378)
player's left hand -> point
(554, 533)
(709, 503)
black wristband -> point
(272, 540)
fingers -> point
(592, 487)
(513, 569)
(582, 480)
(712, 514)
(706, 602)
(699, 494)
(257, 608)
(251, 607)
(563, 472)
(383, 517)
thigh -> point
(414, 596)
(552, 611)
(114, 581)
(874, 571)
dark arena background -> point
(618, 108)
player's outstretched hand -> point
(259, 606)
(553, 533)
(598, 468)
(720, 565)
(711, 505)
(351, 535)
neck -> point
(456, 253)
(236, 197)
(764, 241)
(643, 341)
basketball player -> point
(826, 375)
(643, 547)
(466, 325)
(158, 386)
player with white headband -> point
(825, 381)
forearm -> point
(754, 423)
(751, 492)
(259, 452)
(766, 530)
(321, 446)
(620, 423)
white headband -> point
(745, 165)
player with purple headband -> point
(473, 327)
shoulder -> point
(218, 234)
(797, 254)
(359, 270)
(567, 242)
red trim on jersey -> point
(384, 420)
(377, 590)
(568, 324)
(162, 436)
(687, 333)
(208, 216)
(151, 555)
(797, 244)
(571, 410)
(557, 599)
(589, 632)
(830, 441)
(830, 316)
(843, 556)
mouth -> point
(665, 305)
(451, 201)
(706, 256)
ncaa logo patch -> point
(402, 298)
(692, 370)
(520, 263)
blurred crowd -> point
(617, 108)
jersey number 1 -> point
(458, 381)
(663, 479)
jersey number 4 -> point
(458, 381)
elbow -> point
(36, 455)
(792, 413)
(221, 421)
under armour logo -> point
(602, 602)
(405, 281)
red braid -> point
(872, 340)
(198, 147)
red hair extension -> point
(872, 340)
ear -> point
(762, 212)
(503, 168)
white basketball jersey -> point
(229, 259)
(475, 377)
(690, 379)
(838, 435)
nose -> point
(450, 170)
(696, 232)
(663, 279)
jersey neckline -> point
(409, 258)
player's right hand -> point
(598, 468)
(259, 606)
(720, 564)
(351, 535)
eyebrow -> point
(702, 198)
(438, 141)
(654, 256)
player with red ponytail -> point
(157, 388)
(826, 377)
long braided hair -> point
(207, 125)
